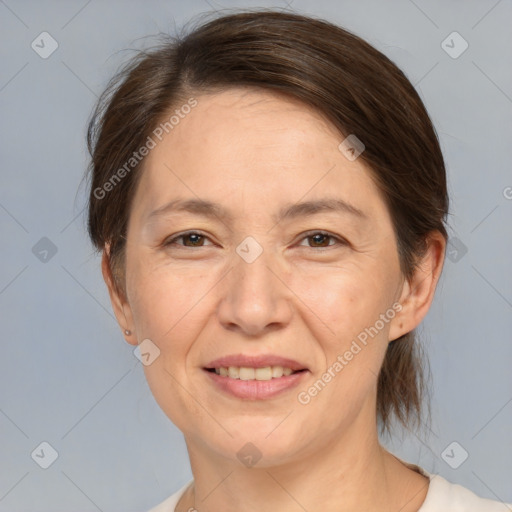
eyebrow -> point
(288, 212)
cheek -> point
(170, 307)
(161, 298)
(348, 307)
(345, 300)
(345, 306)
(167, 308)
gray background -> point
(68, 377)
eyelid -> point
(339, 240)
(173, 238)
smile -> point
(247, 373)
(255, 383)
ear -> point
(119, 303)
(417, 293)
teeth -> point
(277, 371)
(263, 373)
(245, 373)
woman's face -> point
(257, 278)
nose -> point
(255, 298)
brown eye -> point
(195, 239)
(320, 239)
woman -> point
(269, 196)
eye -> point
(321, 239)
(196, 239)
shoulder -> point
(449, 497)
(442, 495)
(445, 496)
(170, 503)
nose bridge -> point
(254, 297)
(252, 274)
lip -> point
(256, 389)
(256, 362)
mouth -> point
(255, 377)
(250, 383)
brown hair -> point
(357, 88)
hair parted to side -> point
(357, 88)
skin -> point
(254, 152)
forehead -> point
(254, 144)
(240, 123)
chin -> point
(258, 440)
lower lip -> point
(256, 389)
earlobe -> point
(418, 292)
(119, 303)
(397, 327)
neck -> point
(346, 473)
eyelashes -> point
(324, 235)
(197, 238)
(172, 241)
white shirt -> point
(442, 496)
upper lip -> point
(255, 362)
